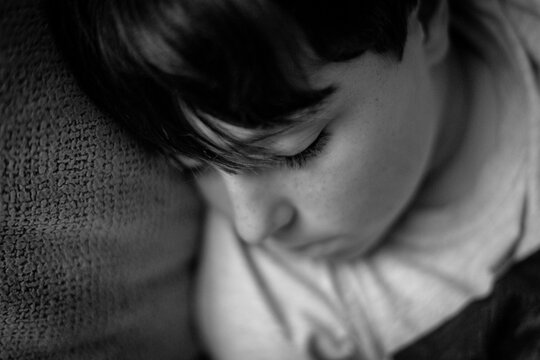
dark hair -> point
(166, 69)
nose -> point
(259, 209)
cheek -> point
(373, 172)
(378, 157)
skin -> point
(386, 123)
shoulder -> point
(504, 325)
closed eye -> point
(313, 150)
(297, 161)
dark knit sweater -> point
(96, 236)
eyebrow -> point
(295, 120)
(310, 112)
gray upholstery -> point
(96, 236)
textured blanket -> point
(96, 236)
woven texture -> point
(96, 236)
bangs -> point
(167, 69)
(246, 69)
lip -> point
(335, 249)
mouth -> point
(333, 249)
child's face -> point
(382, 121)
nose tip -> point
(258, 224)
(261, 208)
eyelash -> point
(313, 150)
(296, 161)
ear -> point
(436, 41)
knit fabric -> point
(96, 236)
